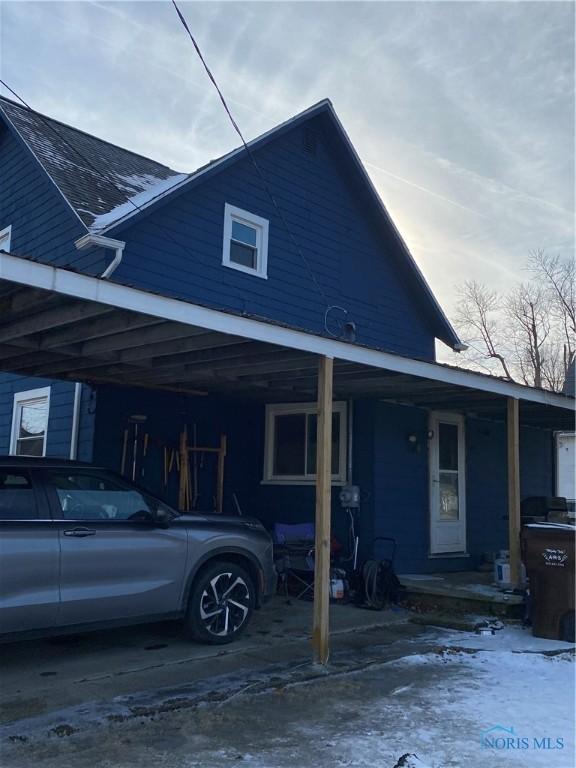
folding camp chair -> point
(294, 557)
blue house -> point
(142, 307)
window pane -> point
(312, 439)
(33, 418)
(17, 500)
(32, 446)
(244, 233)
(289, 439)
(449, 502)
(242, 254)
(91, 496)
(448, 440)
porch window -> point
(245, 241)
(290, 454)
(30, 422)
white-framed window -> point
(245, 241)
(5, 237)
(290, 443)
(30, 422)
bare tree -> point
(529, 334)
(479, 319)
(527, 312)
(557, 277)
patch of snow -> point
(457, 699)
(510, 638)
(155, 190)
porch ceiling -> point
(48, 333)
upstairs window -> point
(5, 236)
(30, 422)
(290, 453)
(245, 241)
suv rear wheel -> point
(221, 603)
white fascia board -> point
(79, 286)
(216, 163)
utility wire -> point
(103, 175)
(83, 157)
(251, 155)
(98, 171)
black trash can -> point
(548, 554)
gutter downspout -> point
(75, 421)
(99, 241)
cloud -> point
(462, 112)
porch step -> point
(459, 593)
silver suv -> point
(81, 548)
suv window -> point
(17, 501)
(94, 496)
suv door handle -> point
(80, 533)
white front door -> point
(447, 484)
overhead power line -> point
(251, 155)
(99, 172)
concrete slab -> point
(45, 676)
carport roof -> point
(57, 323)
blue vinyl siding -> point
(392, 474)
(176, 249)
(59, 418)
(400, 485)
(43, 225)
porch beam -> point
(52, 318)
(513, 430)
(108, 327)
(320, 631)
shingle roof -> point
(107, 185)
(93, 175)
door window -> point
(94, 496)
(448, 471)
(17, 500)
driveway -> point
(42, 678)
(437, 700)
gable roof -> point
(93, 175)
(108, 186)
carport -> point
(57, 323)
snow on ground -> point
(448, 705)
(510, 638)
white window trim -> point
(6, 238)
(283, 408)
(20, 399)
(231, 213)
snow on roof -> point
(152, 189)
(94, 176)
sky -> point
(462, 112)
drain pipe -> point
(75, 421)
(99, 241)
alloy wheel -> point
(224, 604)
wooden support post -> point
(220, 478)
(514, 489)
(320, 633)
